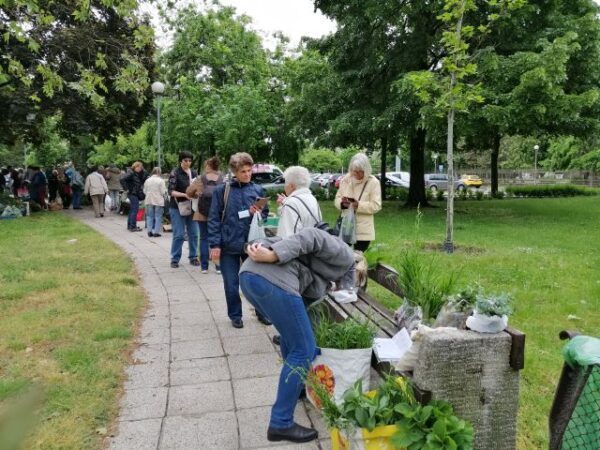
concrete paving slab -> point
(213, 431)
(240, 345)
(145, 403)
(150, 353)
(253, 392)
(254, 366)
(198, 371)
(197, 333)
(200, 399)
(136, 435)
(204, 348)
(146, 375)
(155, 336)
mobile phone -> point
(350, 199)
(261, 202)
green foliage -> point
(397, 193)
(464, 300)
(127, 148)
(347, 153)
(559, 190)
(494, 304)
(53, 149)
(349, 334)
(561, 153)
(432, 427)
(321, 160)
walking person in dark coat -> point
(133, 183)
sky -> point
(295, 18)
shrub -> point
(397, 193)
(557, 190)
(479, 195)
(439, 195)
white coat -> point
(368, 204)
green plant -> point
(494, 304)
(432, 427)
(560, 190)
(348, 334)
(439, 195)
(479, 195)
(464, 300)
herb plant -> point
(349, 334)
(494, 304)
(464, 301)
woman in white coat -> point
(362, 191)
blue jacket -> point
(231, 235)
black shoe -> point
(276, 339)
(157, 235)
(302, 395)
(174, 265)
(101, 215)
(295, 433)
(194, 262)
(150, 235)
(237, 323)
(262, 319)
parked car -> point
(273, 182)
(396, 179)
(439, 181)
(472, 180)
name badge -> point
(243, 214)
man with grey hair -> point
(299, 207)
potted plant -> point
(345, 356)
(458, 308)
(491, 313)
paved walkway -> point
(194, 382)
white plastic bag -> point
(257, 229)
(108, 203)
(487, 324)
(348, 227)
(338, 370)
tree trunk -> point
(494, 164)
(384, 148)
(449, 242)
(416, 192)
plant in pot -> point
(345, 356)
(458, 308)
(491, 313)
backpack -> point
(205, 199)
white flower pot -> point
(487, 324)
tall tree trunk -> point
(494, 163)
(384, 149)
(449, 242)
(416, 192)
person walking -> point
(95, 186)
(233, 207)
(361, 191)
(133, 183)
(77, 185)
(201, 191)
(114, 187)
(180, 211)
(276, 278)
(38, 187)
(155, 191)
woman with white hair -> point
(299, 207)
(361, 191)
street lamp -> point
(158, 90)
(535, 153)
(435, 157)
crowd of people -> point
(277, 275)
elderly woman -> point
(133, 183)
(233, 206)
(299, 208)
(182, 221)
(362, 191)
(275, 279)
(155, 191)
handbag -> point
(185, 208)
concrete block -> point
(254, 366)
(136, 435)
(200, 399)
(147, 375)
(212, 431)
(194, 333)
(253, 392)
(146, 403)
(206, 348)
(198, 371)
(240, 345)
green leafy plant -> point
(349, 334)
(494, 304)
(464, 300)
(432, 427)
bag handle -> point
(225, 198)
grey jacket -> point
(308, 261)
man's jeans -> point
(204, 251)
(180, 225)
(230, 268)
(154, 215)
(77, 193)
(116, 200)
(134, 205)
(298, 346)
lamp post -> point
(435, 157)
(158, 90)
(535, 156)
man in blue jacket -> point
(233, 206)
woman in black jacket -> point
(133, 183)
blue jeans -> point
(230, 268)
(298, 346)
(154, 215)
(77, 193)
(204, 251)
(180, 225)
(134, 206)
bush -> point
(479, 195)
(439, 195)
(560, 190)
(397, 193)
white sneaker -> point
(204, 271)
(218, 272)
(344, 296)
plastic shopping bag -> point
(348, 227)
(257, 229)
(108, 203)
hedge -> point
(553, 190)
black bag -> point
(205, 199)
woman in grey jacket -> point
(275, 278)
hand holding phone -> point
(261, 202)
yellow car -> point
(471, 180)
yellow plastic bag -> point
(363, 439)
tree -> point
(320, 160)
(89, 61)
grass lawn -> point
(67, 318)
(543, 251)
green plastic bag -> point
(582, 351)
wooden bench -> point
(478, 383)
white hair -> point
(298, 176)
(360, 162)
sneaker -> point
(157, 235)
(174, 265)
(218, 272)
(344, 296)
(150, 234)
(204, 271)
(237, 323)
(262, 319)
